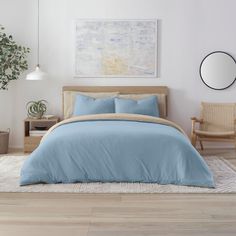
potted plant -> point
(4, 140)
(12, 59)
(12, 63)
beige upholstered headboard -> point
(135, 92)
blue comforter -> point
(116, 151)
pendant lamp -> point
(37, 74)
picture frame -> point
(116, 48)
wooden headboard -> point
(162, 90)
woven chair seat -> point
(215, 133)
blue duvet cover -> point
(116, 151)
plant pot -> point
(4, 141)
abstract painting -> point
(116, 48)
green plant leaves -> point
(13, 59)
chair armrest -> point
(194, 119)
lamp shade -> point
(38, 74)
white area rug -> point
(224, 175)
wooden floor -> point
(119, 214)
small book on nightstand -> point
(49, 116)
(37, 132)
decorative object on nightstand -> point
(34, 129)
(36, 109)
(217, 123)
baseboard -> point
(16, 147)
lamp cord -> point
(38, 36)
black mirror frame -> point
(201, 67)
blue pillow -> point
(146, 106)
(85, 105)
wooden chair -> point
(217, 123)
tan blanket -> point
(116, 116)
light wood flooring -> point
(29, 214)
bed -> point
(116, 147)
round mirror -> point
(218, 70)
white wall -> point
(188, 30)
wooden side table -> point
(32, 132)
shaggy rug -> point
(224, 175)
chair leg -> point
(193, 139)
(201, 145)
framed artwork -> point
(116, 48)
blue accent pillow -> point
(146, 106)
(85, 105)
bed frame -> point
(120, 89)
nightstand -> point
(34, 129)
